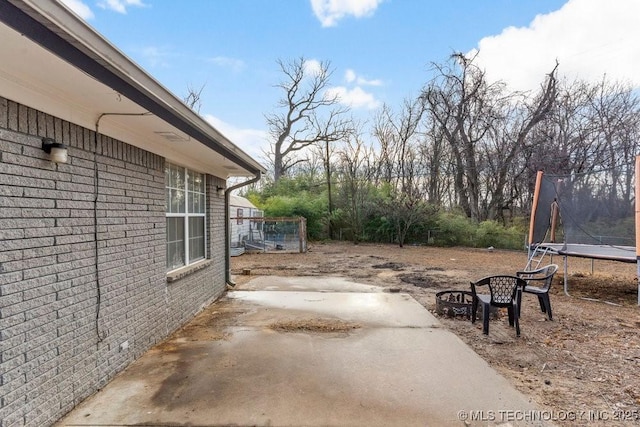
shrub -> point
(491, 233)
(311, 208)
(453, 229)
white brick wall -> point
(58, 345)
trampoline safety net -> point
(595, 208)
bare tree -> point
(383, 131)
(336, 129)
(399, 164)
(485, 129)
(617, 115)
(194, 98)
(510, 139)
(594, 126)
(397, 135)
(461, 101)
(309, 114)
(355, 169)
(434, 155)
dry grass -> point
(586, 359)
(314, 325)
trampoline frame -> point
(627, 254)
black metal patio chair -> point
(504, 291)
(539, 283)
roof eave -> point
(57, 29)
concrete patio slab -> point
(394, 366)
(373, 309)
(306, 283)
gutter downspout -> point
(227, 226)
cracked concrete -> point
(396, 366)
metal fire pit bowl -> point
(452, 303)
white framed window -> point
(186, 216)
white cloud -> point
(80, 8)
(234, 64)
(251, 141)
(156, 56)
(120, 6)
(312, 67)
(355, 98)
(329, 12)
(351, 77)
(589, 38)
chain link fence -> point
(269, 235)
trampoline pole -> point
(566, 283)
(534, 208)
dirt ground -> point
(582, 368)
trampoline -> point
(570, 212)
(611, 253)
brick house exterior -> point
(84, 283)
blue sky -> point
(380, 50)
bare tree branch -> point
(194, 98)
(309, 115)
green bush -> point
(421, 231)
(491, 233)
(313, 208)
(379, 217)
(453, 229)
(378, 228)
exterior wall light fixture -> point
(57, 152)
(220, 190)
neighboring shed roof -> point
(53, 61)
(242, 202)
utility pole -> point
(327, 166)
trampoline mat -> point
(613, 253)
